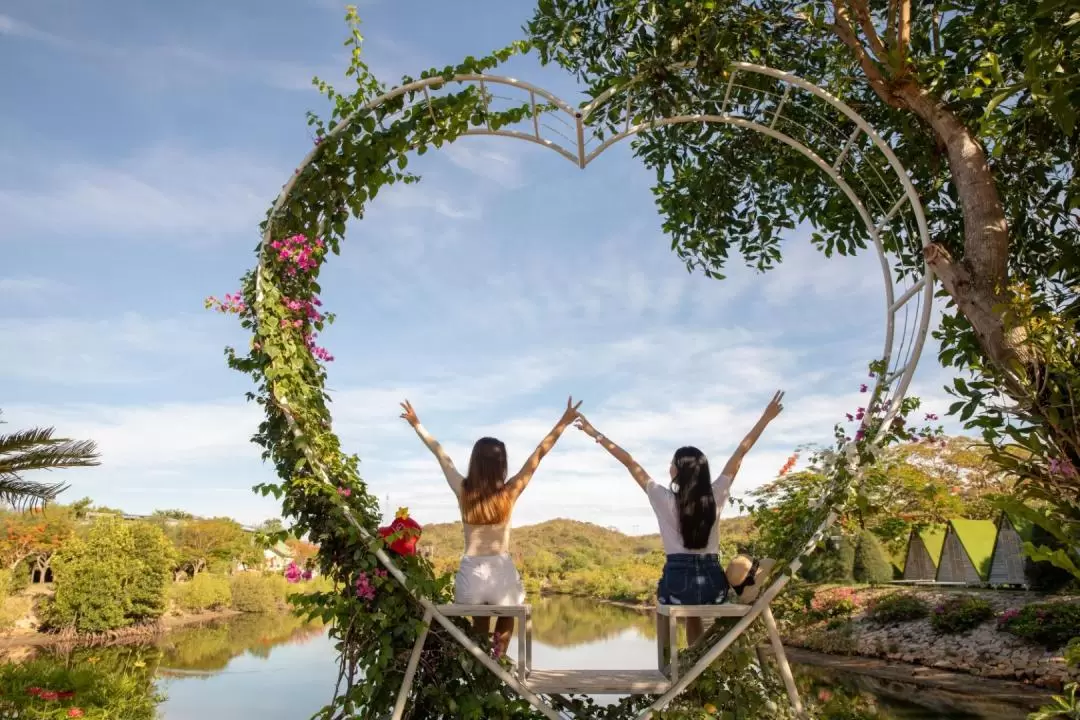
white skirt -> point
(488, 580)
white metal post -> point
(781, 660)
(410, 669)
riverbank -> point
(983, 651)
(1003, 692)
(32, 638)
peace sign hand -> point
(409, 415)
(571, 412)
(775, 406)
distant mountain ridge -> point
(579, 558)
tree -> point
(869, 563)
(203, 540)
(36, 449)
(978, 99)
(115, 576)
(34, 535)
(172, 515)
(302, 551)
(910, 485)
(271, 525)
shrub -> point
(203, 592)
(45, 689)
(5, 583)
(837, 639)
(870, 564)
(20, 578)
(1051, 624)
(115, 576)
(897, 608)
(832, 564)
(1044, 576)
(1072, 652)
(255, 593)
(835, 604)
(960, 614)
(12, 610)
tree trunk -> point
(978, 282)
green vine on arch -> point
(361, 148)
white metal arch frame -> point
(841, 144)
(797, 113)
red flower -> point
(75, 712)
(66, 694)
(49, 695)
(33, 691)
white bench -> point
(523, 614)
(726, 610)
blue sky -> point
(142, 143)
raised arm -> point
(518, 483)
(636, 471)
(773, 409)
(452, 475)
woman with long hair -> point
(688, 512)
(486, 497)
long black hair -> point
(694, 499)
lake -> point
(274, 667)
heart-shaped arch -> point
(321, 485)
(862, 166)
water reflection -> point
(209, 648)
(275, 667)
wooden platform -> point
(597, 682)
(703, 611)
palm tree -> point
(37, 449)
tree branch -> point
(890, 22)
(866, 22)
(936, 32)
(844, 31)
(903, 35)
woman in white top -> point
(688, 512)
(487, 575)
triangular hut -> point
(1007, 563)
(966, 552)
(923, 552)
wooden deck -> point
(597, 682)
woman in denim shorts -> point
(687, 513)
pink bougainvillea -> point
(299, 256)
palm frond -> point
(24, 440)
(24, 494)
(37, 449)
(52, 455)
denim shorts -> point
(690, 579)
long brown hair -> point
(485, 498)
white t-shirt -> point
(663, 504)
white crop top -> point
(663, 504)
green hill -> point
(579, 558)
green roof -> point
(933, 537)
(978, 538)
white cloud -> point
(161, 191)
(12, 27)
(30, 286)
(110, 351)
(475, 155)
(428, 197)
